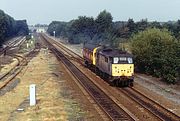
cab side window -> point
(115, 60)
(130, 60)
(106, 59)
(111, 60)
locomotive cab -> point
(122, 66)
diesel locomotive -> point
(113, 65)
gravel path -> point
(171, 92)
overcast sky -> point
(45, 11)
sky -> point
(45, 11)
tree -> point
(53, 27)
(156, 53)
(132, 26)
(177, 29)
(85, 25)
(142, 25)
(155, 24)
(84, 28)
(10, 27)
(22, 27)
(2, 26)
(104, 21)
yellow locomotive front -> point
(122, 66)
(122, 70)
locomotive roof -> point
(90, 46)
(107, 51)
(115, 52)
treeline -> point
(10, 27)
(103, 29)
(84, 28)
(155, 45)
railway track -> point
(152, 106)
(20, 59)
(16, 43)
(9, 76)
(73, 55)
(112, 110)
(3, 50)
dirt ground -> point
(58, 98)
(4, 63)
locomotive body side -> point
(103, 63)
(89, 54)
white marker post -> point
(27, 45)
(32, 91)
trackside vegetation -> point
(155, 45)
(10, 27)
(157, 52)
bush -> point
(156, 53)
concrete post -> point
(32, 91)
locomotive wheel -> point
(131, 84)
(97, 71)
(123, 84)
(117, 83)
(101, 73)
(86, 64)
